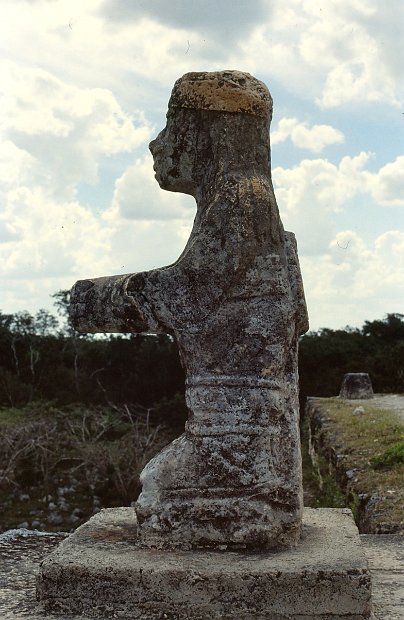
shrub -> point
(391, 456)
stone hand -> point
(106, 305)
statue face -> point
(174, 152)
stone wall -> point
(337, 447)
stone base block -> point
(100, 571)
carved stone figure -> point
(234, 302)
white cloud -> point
(357, 81)
(205, 17)
(336, 53)
(50, 245)
(16, 165)
(309, 193)
(313, 195)
(138, 245)
(344, 39)
(138, 196)
(72, 94)
(355, 280)
(148, 227)
(50, 238)
(54, 136)
(63, 128)
(314, 138)
(137, 60)
(387, 186)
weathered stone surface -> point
(356, 386)
(20, 557)
(234, 302)
(222, 91)
(385, 555)
(100, 569)
(21, 551)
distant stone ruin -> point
(356, 385)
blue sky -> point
(84, 87)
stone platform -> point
(99, 571)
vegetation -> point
(393, 455)
(378, 349)
(84, 413)
(364, 452)
(321, 486)
(59, 465)
(43, 360)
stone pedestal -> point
(356, 386)
(102, 571)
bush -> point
(98, 452)
(391, 456)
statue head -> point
(215, 121)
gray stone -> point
(101, 569)
(23, 525)
(356, 386)
(20, 556)
(385, 555)
(73, 519)
(54, 518)
(234, 302)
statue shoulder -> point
(296, 282)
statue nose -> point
(157, 144)
(156, 147)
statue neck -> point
(216, 179)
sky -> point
(84, 87)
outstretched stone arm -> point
(113, 304)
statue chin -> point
(164, 181)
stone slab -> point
(100, 571)
(21, 552)
(385, 554)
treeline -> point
(43, 359)
(377, 348)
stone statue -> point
(234, 302)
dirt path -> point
(391, 402)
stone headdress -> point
(222, 91)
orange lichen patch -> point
(253, 195)
(253, 190)
(266, 372)
(222, 91)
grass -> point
(321, 488)
(370, 447)
(392, 455)
(13, 417)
